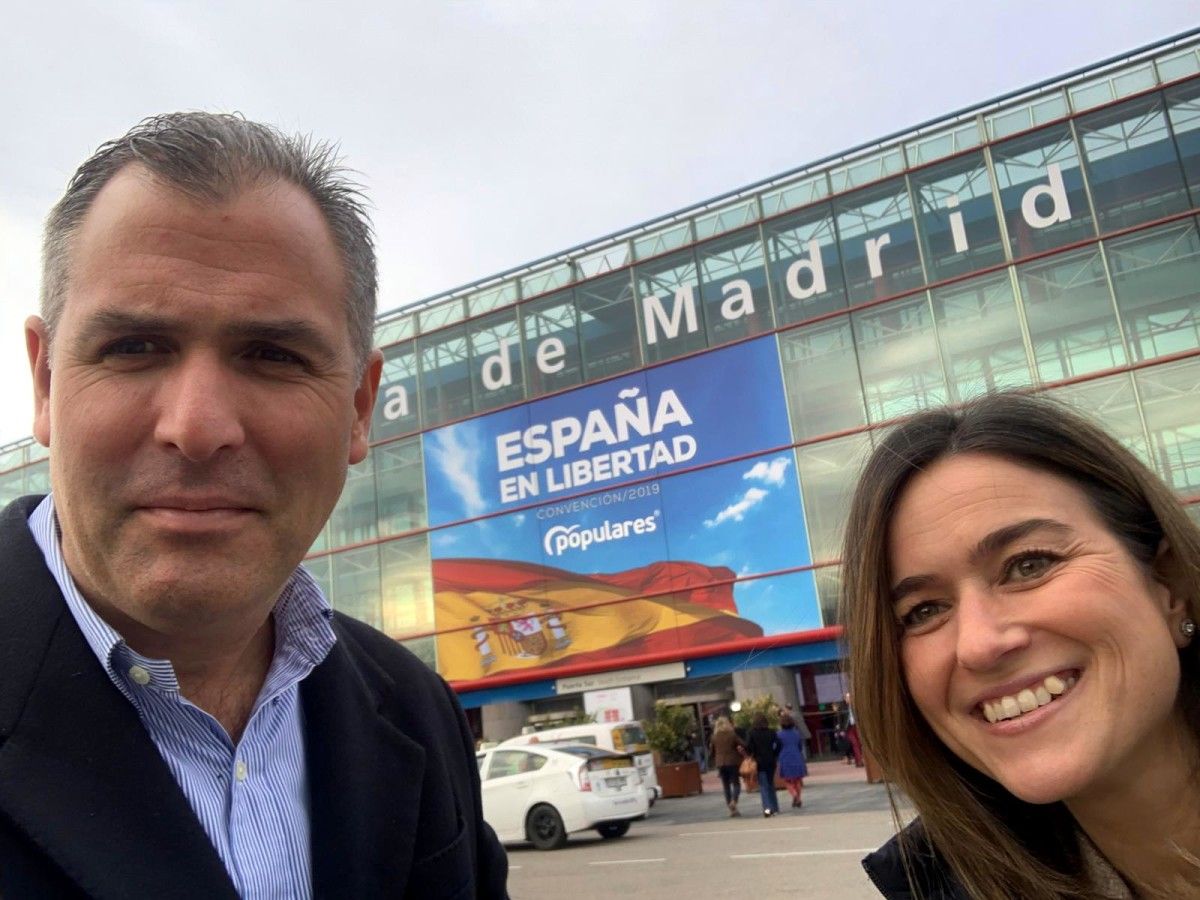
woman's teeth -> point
(1009, 707)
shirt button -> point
(139, 674)
(240, 771)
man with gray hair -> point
(181, 713)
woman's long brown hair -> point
(995, 845)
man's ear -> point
(364, 406)
(1172, 591)
(37, 345)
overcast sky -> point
(490, 133)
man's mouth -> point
(1035, 696)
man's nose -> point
(201, 408)
(987, 630)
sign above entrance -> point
(620, 678)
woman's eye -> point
(920, 614)
(1028, 566)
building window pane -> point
(670, 309)
(400, 486)
(1131, 164)
(1070, 314)
(828, 473)
(1041, 191)
(397, 410)
(354, 518)
(496, 375)
(1156, 276)
(829, 590)
(1183, 108)
(878, 241)
(957, 215)
(407, 586)
(1171, 404)
(898, 357)
(356, 584)
(607, 326)
(551, 329)
(980, 334)
(321, 569)
(445, 376)
(820, 372)
(806, 268)
(733, 287)
(1111, 404)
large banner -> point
(601, 557)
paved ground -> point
(691, 848)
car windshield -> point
(630, 738)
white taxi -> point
(542, 794)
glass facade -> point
(1051, 244)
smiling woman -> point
(1021, 596)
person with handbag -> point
(763, 746)
(726, 751)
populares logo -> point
(561, 538)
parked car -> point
(620, 737)
(542, 794)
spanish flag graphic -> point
(497, 616)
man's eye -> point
(132, 347)
(267, 353)
(1029, 565)
(921, 614)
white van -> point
(620, 737)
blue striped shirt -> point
(252, 797)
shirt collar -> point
(303, 630)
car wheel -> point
(612, 829)
(544, 827)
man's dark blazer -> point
(88, 808)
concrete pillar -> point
(774, 680)
(503, 720)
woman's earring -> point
(1187, 628)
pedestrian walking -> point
(792, 767)
(763, 745)
(727, 751)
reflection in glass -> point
(397, 408)
(407, 586)
(733, 287)
(1041, 191)
(878, 241)
(957, 216)
(356, 584)
(1156, 276)
(820, 373)
(552, 360)
(669, 307)
(353, 519)
(1171, 404)
(607, 326)
(828, 473)
(1132, 168)
(980, 334)
(1183, 108)
(445, 376)
(898, 358)
(1069, 310)
(1111, 403)
(829, 586)
(400, 486)
(806, 269)
(496, 376)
